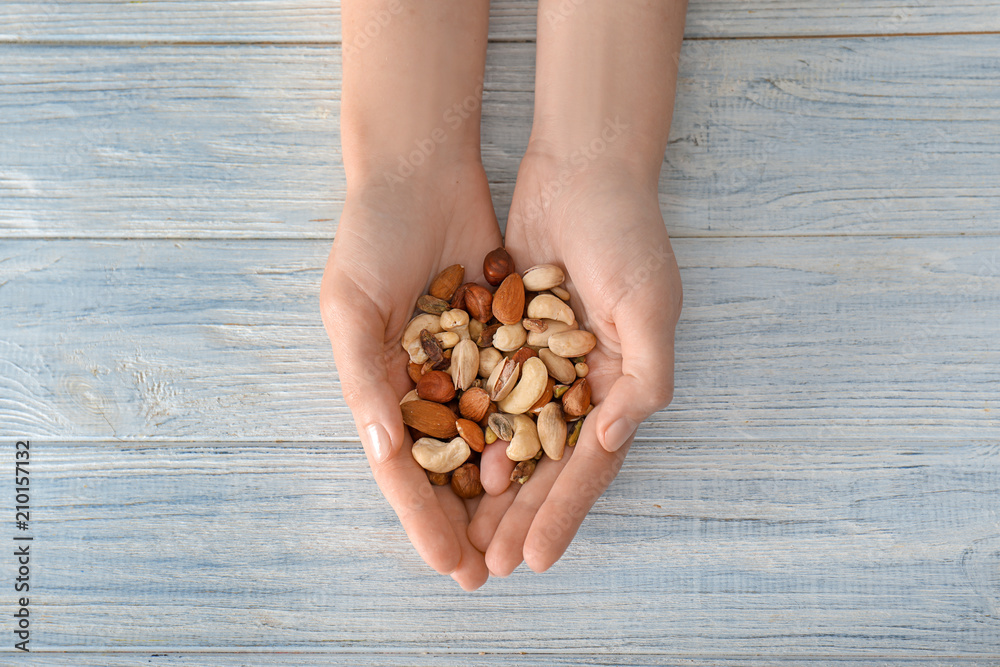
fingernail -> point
(618, 433)
(378, 440)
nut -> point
(559, 390)
(465, 481)
(475, 329)
(559, 367)
(438, 456)
(574, 435)
(560, 292)
(474, 404)
(458, 298)
(548, 307)
(497, 266)
(582, 369)
(411, 334)
(409, 396)
(485, 338)
(447, 339)
(488, 360)
(543, 400)
(438, 478)
(572, 343)
(432, 304)
(529, 389)
(472, 434)
(414, 371)
(537, 326)
(502, 425)
(454, 319)
(508, 302)
(436, 386)
(490, 436)
(552, 327)
(543, 277)
(503, 379)
(510, 337)
(523, 471)
(479, 302)
(525, 444)
(444, 286)
(432, 348)
(434, 419)
(552, 430)
(465, 364)
(523, 354)
(576, 401)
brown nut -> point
(432, 305)
(471, 433)
(497, 266)
(523, 354)
(576, 401)
(432, 348)
(436, 386)
(474, 404)
(534, 325)
(508, 302)
(479, 302)
(438, 478)
(434, 419)
(444, 286)
(544, 399)
(522, 471)
(458, 298)
(465, 481)
(486, 335)
(415, 371)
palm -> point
(387, 246)
(625, 289)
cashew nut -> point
(534, 377)
(411, 335)
(559, 367)
(525, 444)
(438, 456)
(548, 307)
(536, 339)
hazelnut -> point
(438, 478)
(474, 404)
(497, 266)
(436, 386)
(465, 481)
(479, 302)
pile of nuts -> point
(506, 365)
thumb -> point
(357, 332)
(635, 396)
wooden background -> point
(824, 488)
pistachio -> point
(503, 379)
(552, 430)
(574, 435)
(543, 277)
(465, 364)
(572, 343)
(523, 471)
(409, 396)
(552, 327)
(438, 456)
(510, 337)
(502, 425)
(548, 307)
(489, 436)
(559, 390)
(559, 367)
(525, 444)
(529, 388)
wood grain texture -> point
(878, 549)
(836, 337)
(771, 137)
(317, 21)
(373, 657)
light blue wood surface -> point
(823, 490)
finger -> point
(589, 472)
(505, 552)
(645, 386)
(496, 468)
(488, 515)
(471, 572)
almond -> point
(472, 434)
(524, 354)
(508, 302)
(436, 386)
(434, 419)
(576, 401)
(444, 286)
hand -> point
(609, 235)
(390, 242)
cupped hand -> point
(609, 235)
(391, 241)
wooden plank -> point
(878, 549)
(860, 136)
(316, 21)
(835, 337)
(375, 658)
